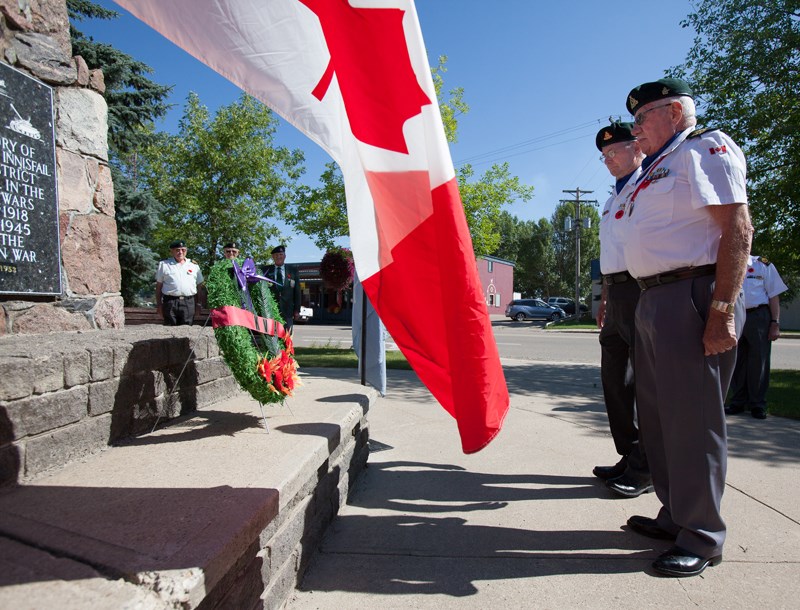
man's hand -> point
(601, 314)
(720, 333)
(774, 331)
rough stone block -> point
(121, 355)
(11, 460)
(49, 373)
(279, 587)
(38, 414)
(77, 366)
(214, 391)
(104, 191)
(91, 238)
(43, 56)
(109, 313)
(103, 396)
(213, 348)
(210, 370)
(97, 81)
(45, 318)
(102, 363)
(18, 378)
(75, 188)
(283, 544)
(82, 124)
(65, 445)
(82, 70)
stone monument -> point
(59, 268)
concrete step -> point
(212, 511)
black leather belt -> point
(675, 276)
(757, 307)
(616, 278)
(169, 297)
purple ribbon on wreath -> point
(247, 274)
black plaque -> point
(30, 259)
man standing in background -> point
(177, 280)
(286, 291)
(762, 285)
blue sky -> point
(541, 79)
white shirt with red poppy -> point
(761, 282)
(668, 227)
(179, 279)
(612, 234)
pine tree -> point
(134, 102)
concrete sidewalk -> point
(523, 523)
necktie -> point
(279, 275)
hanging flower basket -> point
(337, 268)
(250, 333)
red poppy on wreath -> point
(280, 373)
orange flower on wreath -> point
(280, 373)
(287, 339)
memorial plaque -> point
(30, 258)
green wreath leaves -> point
(263, 365)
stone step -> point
(211, 511)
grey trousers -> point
(680, 395)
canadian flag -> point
(354, 76)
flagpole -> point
(363, 360)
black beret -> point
(178, 243)
(278, 249)
(231, 244)
(657, 90)
(611, 134)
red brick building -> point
(497, 280)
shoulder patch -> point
(764, 260)
(699, 132)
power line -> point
(489, 156)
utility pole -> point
(578, 228)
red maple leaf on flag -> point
(369, 56)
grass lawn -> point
(782, 396)
(336, 357)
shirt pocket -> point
(659, 202)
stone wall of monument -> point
(34, 39)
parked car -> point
(568, 305)
(533, 309)
(305, 314)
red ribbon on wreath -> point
(236, 316)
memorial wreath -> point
(249, 331)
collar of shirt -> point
(648, 160)
(622, 182)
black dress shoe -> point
(734, 409)
(680, 562)
(629, 487)
(759, 412)
(611, 472)
(649, 527)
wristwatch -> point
(722, 306)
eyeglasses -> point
(613, 153)
(639, 118)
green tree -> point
(744, 67)
(529, 244)
(134, 102)
(564, 248)
(222, 178)
(483, 200)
